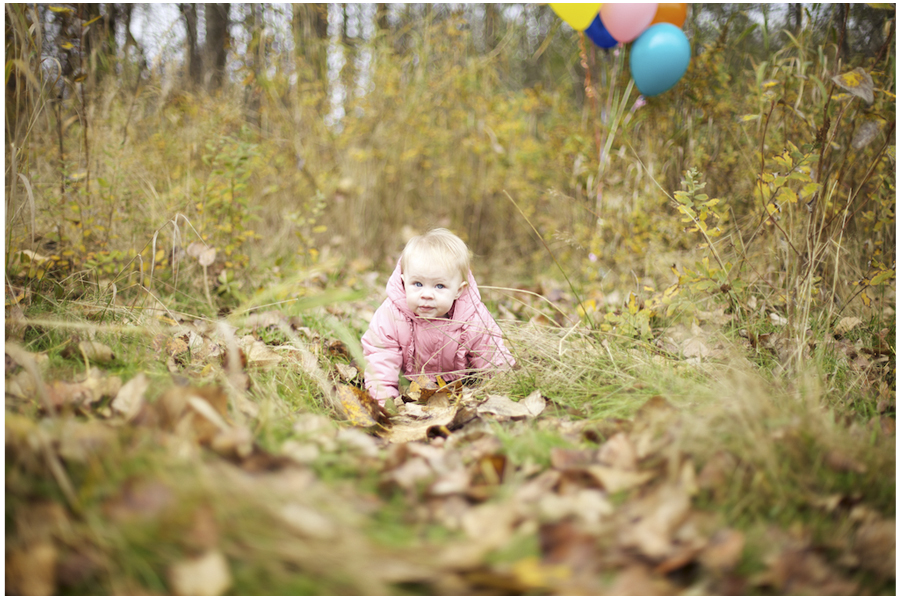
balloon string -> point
(590, 93)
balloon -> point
(626, 21)
(659, 58)
(599, 35)
(670, 12)
(579, 16)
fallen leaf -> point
(31, 571)
(130, 399)
(96, 352)
(567, 458)
(207, 575)
(259, 355)
(347, 372)
(140, 500)
(80, 441)
(618, 453)
(724, 551)
(359, 407)
(413, 425)
(638, 580)
(177, 403)
(307, 522)
(617, 480)
(841, 462)
(846, 325)
(654, 520)
(566, 543)
(534, 403)
(876, 545)
(504, 408)
(236, 442)
(695, 348)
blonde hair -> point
(441, 246)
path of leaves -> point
(615, 512)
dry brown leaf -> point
(454, 482)
(534, 403)
(130, 399)
(80, 441)
(503, 408)
(876, 545)
(176, 346)
(618, 453)
(233, 442)
(259, 355)
(724, 551)
(846, 325)
(207, 575)
(308, 522)
(838, 460)
(359, 407)
(97, 352)
(637, 580)
(140, 500)
(408, 428)
(657, 517)
(181, 411)
(31, 571)
(617, 480)
(347, 372)
(567, 458)
(62, 393)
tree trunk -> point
(348, 72)
(796, 13)
(217, 43)
(381, 18)
(310, 28)
(491, 19)
(195, 65)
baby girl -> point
(433, 322)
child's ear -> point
(460, 290)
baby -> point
(433, 321)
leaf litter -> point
(618, 512)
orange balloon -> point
(670, 12)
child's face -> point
(431, 289)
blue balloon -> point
(599, 35)
(659, 58)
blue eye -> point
(440, 286)
(417, 284)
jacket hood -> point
(463, 308)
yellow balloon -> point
(578, 16)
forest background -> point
(206, 206)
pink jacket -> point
(397, 340)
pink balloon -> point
(625, 22)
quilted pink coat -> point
(469, 341)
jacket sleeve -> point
(384, 355)
(484, 342)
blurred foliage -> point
(445, 125)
